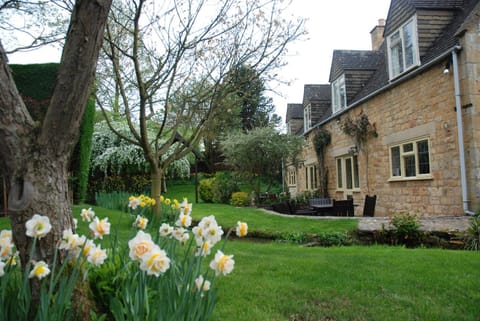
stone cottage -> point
(403, 118)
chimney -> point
(377, 34)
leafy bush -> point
(240, 199)
(223, 187)
(472, 239)
(406, 229)
(206, 190)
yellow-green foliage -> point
(239, 199)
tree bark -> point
(157, 175)
(34, 155)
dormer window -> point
(307, 117)
(403, 48)
(339, 96)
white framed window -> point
(348, 178)
(403, 51)
(311, 181)
(292, 177)
(410, 160)
(339, 94)
(307, 117)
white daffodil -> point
(242, 229)
(87, 214)
(99, 228)
(140, 222)
(40, 270)
(165, 230)
(222, 264)
(38, 226)
(142, 243)
(155, 262)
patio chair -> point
(369, 205)
(343, 208)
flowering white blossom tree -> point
(165, 66)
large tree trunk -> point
(156, 190)
(34, 156)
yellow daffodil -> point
(242, 229)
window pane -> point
(408, 45)
(342, 93)
(407, 148)
(306, 177)
(396, 170)
(348, 173)
(423, 157)
(409, 165)
(356, 178)
(396, 54)
(339, 174)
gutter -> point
(461, 145)
(458, 106)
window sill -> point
(403, 179)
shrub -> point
(223, 187)
(240, 199)
(472, 239)
(406, 229)
(206, 190)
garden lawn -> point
(273, 282)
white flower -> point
(222, 264)
(87, 215)
(140, 222)
(185, 207)
(242, 229)
(165, 230)
(2, 266)
(204, 249)
(133, 202)
(155, 261)
(38, 226)
(201, 284)
(40, 270)
(6, 234)
(70, 240)
(75, 223)
(97, 255)
(6, 247)
(178, 233)
(213, 233)
(142, 243)
(99, 227)
(184, 220)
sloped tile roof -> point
(313, 93)
(353, 60)
(294, 111)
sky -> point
(331, 24)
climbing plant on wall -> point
(321, 140)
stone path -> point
(429, 224)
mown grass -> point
(275, 281)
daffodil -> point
(6, 234)
(165, 230)
(155, 262)
(2, 266)
(222, 264)
(204, 249)
(142, 243)
(69, 240)
(87, 214)
(184, 220)
(133, 202)
(99, 228)
(38, 226)
(140, 222)
(40, 270)
(242, 229)
(97, 255)
(202, 285)
(6, 247)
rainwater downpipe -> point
(461, 145)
